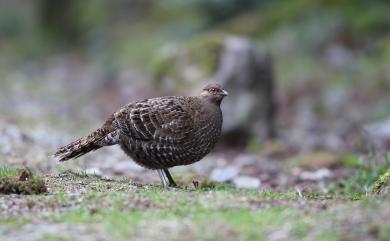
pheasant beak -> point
(224, 93)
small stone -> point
(318, 175)
(94, 171)
(223, 174)
(379, 133)
(278, 235)
(246, 160)
(246, 182)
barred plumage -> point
(159, 133)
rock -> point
(208, 163)
(339, 56)
(318, 175)
(246, 160)
(316, 160)
(379, 133)
(250, 108)
(183, 68)
(279, 235)
(246, 182)
(10, 136)
(223, 174)
(382, 186)
(14, 134)
(95, 171)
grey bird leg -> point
(163, 178)
(172, 182)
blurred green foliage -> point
(134, 29)
(202, 52)
(367, 174)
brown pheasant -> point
(159, 133)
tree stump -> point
(248, 76)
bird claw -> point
(166, 179)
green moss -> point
(382, 183)
(351, 161)
(163, 63)
(272, 195)
(254, 145)
(20, 181)
(365, 177)
(50, 237)
(207, 185)
(205, 52)
(361, 17)
(5, 171)
(199, 52)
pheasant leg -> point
(172, 182)
(163, 178)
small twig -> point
(299, 191)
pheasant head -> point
(214, 93)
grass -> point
(119, 210)
(6, 172)
(365, 172)
(200, 222)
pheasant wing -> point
(162, 120)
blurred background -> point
(308, 83)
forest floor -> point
(77, 206)
(313, 183)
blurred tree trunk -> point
(248, 75)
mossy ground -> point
(82, 207)
(382, 185)
(20, 181)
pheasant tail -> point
(104, 136)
